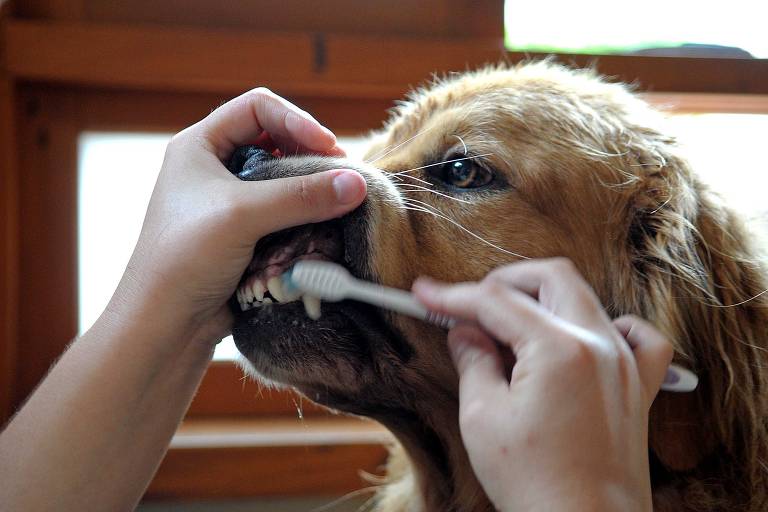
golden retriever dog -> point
(478, 170)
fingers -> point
(653, 352)
(241, 120)
(290, 147)
(506, 314)
(478, 364)
(558, 286)
(272, 205)
(475, 356)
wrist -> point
(148, 314)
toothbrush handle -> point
(678, 379)
(397, 300)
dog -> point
(480, 169)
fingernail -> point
(347, 186)
(672, 377)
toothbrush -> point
(332, 282)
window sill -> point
(269, 457)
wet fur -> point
(588, 173)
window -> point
(653, 27)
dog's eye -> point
(465, 173)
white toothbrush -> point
(332, 282)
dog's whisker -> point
(414, 178)
(757, 296)
(400, 145)
(437, 213)
(418, 188)
(462, 143)
(665, 203)
(346, 497)
(441, 163)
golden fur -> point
(598, 181)
(589, 174)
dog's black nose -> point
(247, 163)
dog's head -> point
(479, 170)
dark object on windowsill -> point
(696, 50)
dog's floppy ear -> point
(703, 286)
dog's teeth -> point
(239, 295)
(267, 301)
(258, 290)
(248, 294)
(275, 287)
(311, 306)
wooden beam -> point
(69, 10)
(186, 59)
(48, 241)
(206, 473)
(9, 249)
(225, 391)
(170, 111)
(303, 64)
(701, 103)
(404, 17)
(9, 236)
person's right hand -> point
(569, 430)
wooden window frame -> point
(60, 76)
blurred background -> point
(91, 91)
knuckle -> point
(581, 355)
(631, 319)
(472, 415)
(260, 92)
(176, 141)
(493, 288)
(563, 266)
(498, 274)
(305, 193)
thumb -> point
(277, 204)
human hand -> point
(569, 430)
(202, 222)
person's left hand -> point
(202, 222)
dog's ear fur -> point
(702, 283)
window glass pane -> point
(684, 27)
(117, 172)
(726, 151)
